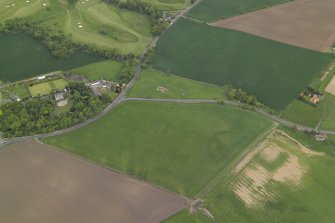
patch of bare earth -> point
(252, 187)
(162, 89)
(331, 86)
(42, 185)
(291, 171)
(271, 153)
(304, 23)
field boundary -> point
(228, 172)
(93, 163)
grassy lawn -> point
(107, 70)
(275, 73)
(211, 10)
(40, 89)
(156, 84)
(180, 147)
(63, 109)
(59, 84)
(302, 193)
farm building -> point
(315, 99)
(321, 137)
(59, 96)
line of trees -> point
(241, 96)
(158, 24)
(38, 115)
(60, 45)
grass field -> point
(17, 8)
(89, 22)
(308, 140)
(59, 84)
(103, 25)
(323, 115)
(22, 57)
(40, 89)
(169, 4)
(181, 147)
(156, 84)
(107, 70)
(275, 73)
(211, 10)
(18, 90)
(303, 113)
(281, 184)
(185, 217)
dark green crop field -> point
(22, 56)
(211, 10)
(180, 147)
(275, 73)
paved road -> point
(180, 15)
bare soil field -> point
(304, 23)
(331, 86)
(39, 185)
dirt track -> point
(39, 185)
(305, 23)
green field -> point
(309, 141)
(275, 73)
(40, 89)
(169, 4)
(185, 217)
(18, 8)
(211, 10)
(302, 193)
(323, 115)
(18, 90)
(107, 70)
(105, 26)
(90, 22)
(180, 147)
(22, 57)
(305, 114)
(59, 84)
(156, 84)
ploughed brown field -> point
(42, 185)
(304, 23)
